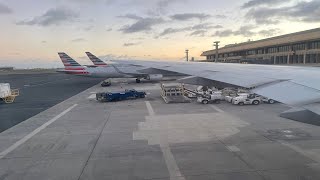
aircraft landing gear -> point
(138, 81)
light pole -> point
(216, 44)
(187, 55)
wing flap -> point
(237, 79)
(289, 93)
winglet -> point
(96, 61)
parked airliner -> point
(103, 70)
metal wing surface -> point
(295, 86)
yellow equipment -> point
(6, 94)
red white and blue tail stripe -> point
(96, 61)
(71, 66)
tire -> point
(138, 81)
(240, 103)
(205, 102)
(255, 102)
(218, 101)
(271, 101)
(142, 96)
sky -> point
(33, 31)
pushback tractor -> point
(120, 96)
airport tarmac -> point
(38, 92)
(80, 138)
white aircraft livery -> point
(102, 70)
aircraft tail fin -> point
(69, 63)
(96, 61)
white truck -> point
(213, 97)
(205, 90)
(7, 94)
(230, 97)
(247, 99)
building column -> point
(304, 58)
(288, 59)
(280, 60)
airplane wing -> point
(294, 86)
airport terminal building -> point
(296, 48)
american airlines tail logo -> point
(71, 64)
(96, 61)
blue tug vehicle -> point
(120, 96)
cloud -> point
(200, 33)
(203, 28)
(131, 16)
(78, 40)
(224, 33)
(150, 7)
(305, 11)
(110, 2)
(188, 16)
(55, 16)
(5, 9)
(116, 57)
(219, 16)
(218, 27)
(269, 32)
(255, 3)
(131, 44)
(88, 28)
(162, 6)
(172, 31)
(109, 29)
(84, 1)
(141, 25)
(247, 31)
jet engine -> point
(154, 77)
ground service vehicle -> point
(215, 97)
(231, 96)
(7, 94)
(249, 99)
(119, 96)
(106, 83)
